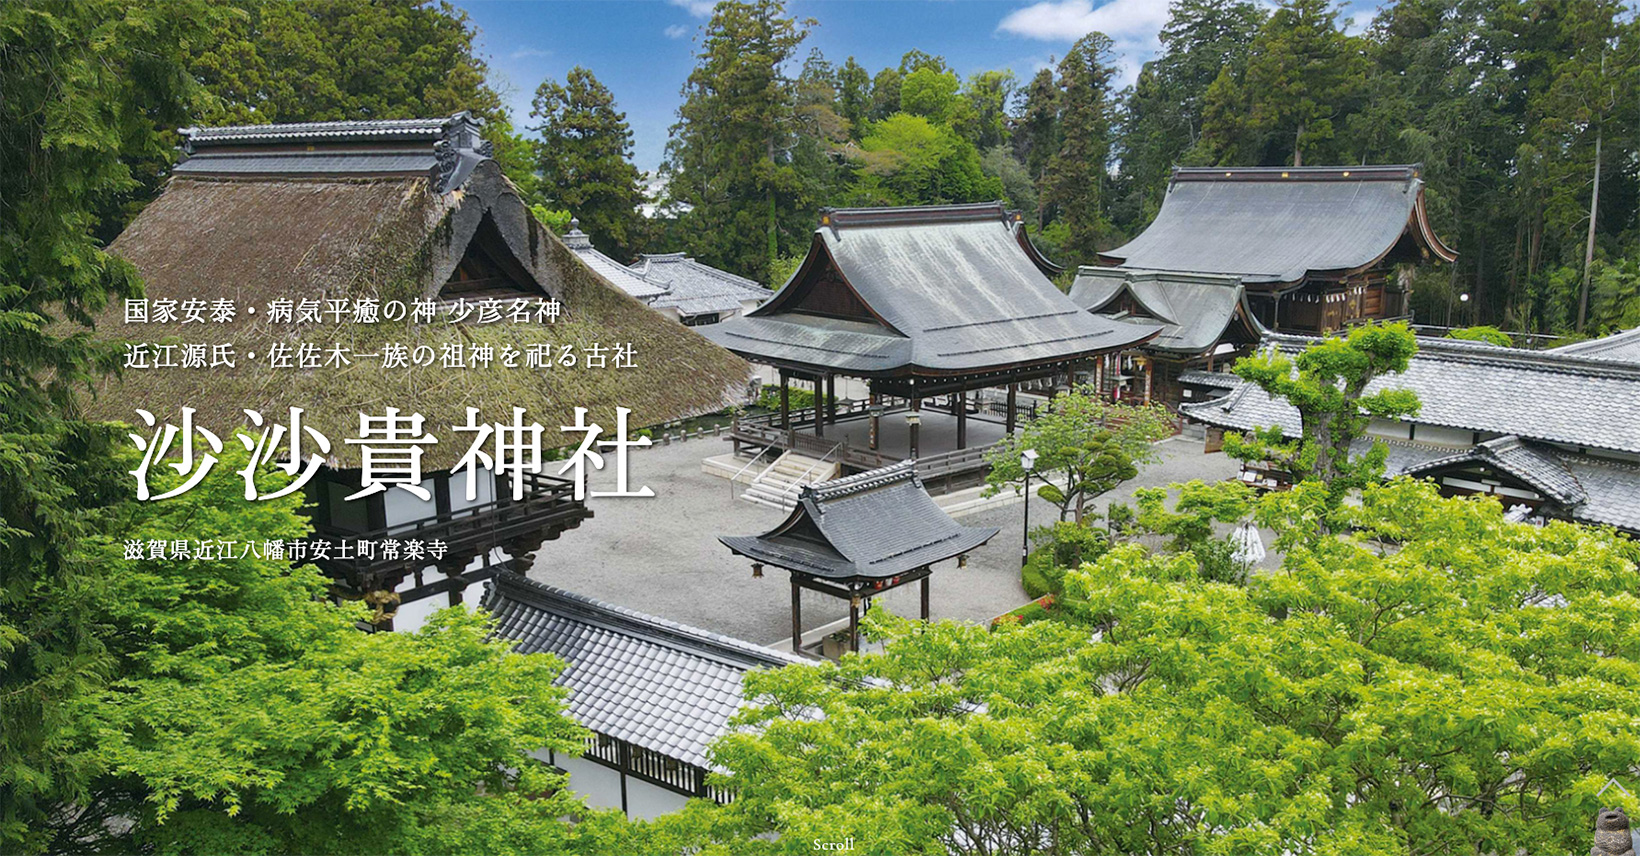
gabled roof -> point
(651, 682)
(1538, 395)
(446, 150)
(1278, 225)
(319, 235)
(938, 290)
(1588, 489)
(1532, 464)
(618, 274)
(1623, 347)
(1195, 309)
(870, 526)
(694, 288)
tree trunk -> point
(1588, 249)
(1298, 149)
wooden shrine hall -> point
(921, 302)
(857, 537)
(1319, 248)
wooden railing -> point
(548, 503)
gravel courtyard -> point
(661, 556)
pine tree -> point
(854, 95)
(1077, 173)
(583, 160)
(1038, 136)
(1303, 76)
(729, 149)
(1163, 122)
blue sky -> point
(644, 49)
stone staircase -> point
(776, 486)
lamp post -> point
(913, 420)
(876, 411)
(1027, 461)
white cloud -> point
(521, 53)
(1069, 20)
(677, 31)
(698, 8)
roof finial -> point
(575, 224)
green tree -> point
(930, 94)
(1077, 173)
(1362, 700)
(1484, 333)
(984, 121)
(885, 94)
(1327, 384)
(250, 714)
(583, 159)
(1038, 137)
(86, 85)
(854, 95)
(350, 59)
(728, 150)
(1303, 75)
(1163, 119)
(1085, 447)
(908, 160)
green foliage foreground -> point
(1364, 699)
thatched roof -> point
(329, 235)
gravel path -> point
(661, 555)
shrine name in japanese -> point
(390, 446)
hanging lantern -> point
(962, 560)
(757, 570)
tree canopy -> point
(1470, 690)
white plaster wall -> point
(600, 786)
(1444, 436)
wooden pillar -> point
(854, 622)
(797, 616)
(925, 598)
(1150, 374)
(961, 400)
(786, 406)
(1099, 375)
(915, 427)
(819, 407)
(1013, 401)
(831, 398)
(876, 421)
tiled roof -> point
(869, 526)
(955, 282)
(694, 288)
(650, 682)
(1279, 224)
(606, 267)
(1624, 347)
(1539, 395)
(1195, 309)
(1536, 465)
(1587, 488)
(445, 149)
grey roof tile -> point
(1539, 395)
(1622, 347)
(694, 288)
(1280, 224)
(955, 287)
(869, 526)
(1194, 309)
(651, 682)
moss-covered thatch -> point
(253, 240)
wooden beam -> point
(797, 616)
(1013, 404)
